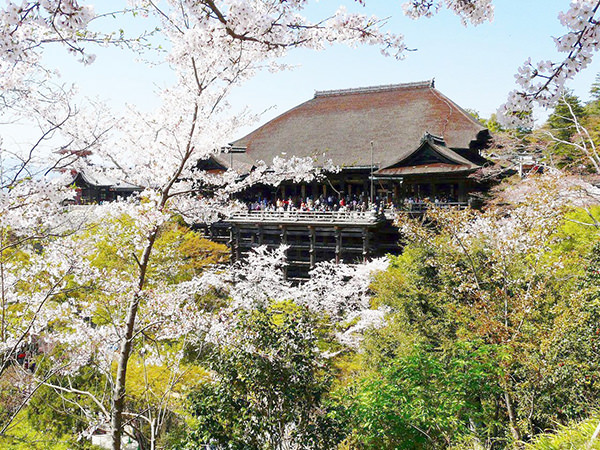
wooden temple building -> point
(397, 146)
(97, 188)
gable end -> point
(426, 155)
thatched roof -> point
(340, 125)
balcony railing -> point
(422, 206)
(309, 217)
(337, 217)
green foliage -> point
(425, 399)
(572, 436)
(595, 88)
(478, 325)
(561, 119)
(580, 231)
(23, 435)
(180, 252)
(474, 114)
(193, 254)
(268, 386)
(493, 125)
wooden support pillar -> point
(261, 235)
(232, 242)
(235, 248)
(283, 240)
(366, 254)
(462, 192)
(283, 234)
(338, 244)
(312, 250)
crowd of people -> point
(321, 203)
(340, 203)
(436, 199)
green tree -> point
(267, 386)
(492, 340)
(595, 88)
(493, 125)
(564, 126)
(428, 398)
(561, 120)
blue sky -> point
(474, 66)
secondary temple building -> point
(98, 188)
(397, 146)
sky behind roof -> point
(474, 66)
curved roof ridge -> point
(380, 88)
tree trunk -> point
(119, 390)
(514, 429)
(125, 351)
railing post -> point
(232, 242)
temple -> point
(414, 140)
(401, 146)
(98, 188)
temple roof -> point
(99, 180)
(340, 125)
(431, 156)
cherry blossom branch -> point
(579, 43)
(72, 390)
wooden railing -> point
(337, 217)
(308, 217)
(422, 206)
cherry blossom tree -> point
(213, 46)
(35, 269)
(540, 83)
